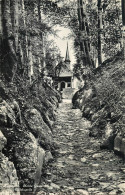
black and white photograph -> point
(62, 97)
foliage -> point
(111, 32)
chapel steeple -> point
(67, 58)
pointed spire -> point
(67, 58)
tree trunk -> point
(26, 39)
(15, 21)
(1, 33)
(30, 71)
(123, 22)
(99, 32)
(123, 12)
(83, 27)
(23, 12)
(9, 58)
(42, 38)
(1, 27)
(39, 10)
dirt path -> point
(80, 166)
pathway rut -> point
(80, 167)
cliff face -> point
(102, 102)
(27, 103)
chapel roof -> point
(67, 58)
(65, 73)
(65, 66)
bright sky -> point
(61, 41)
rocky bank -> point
(102, 101)
(26, 120)
(27, 101)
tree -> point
(9, 41)
(99, 31)
(123, 23)
(84, 32)
(85, 19)
(123, 12)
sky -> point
(62, 36)
(61, 42)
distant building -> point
(64, 80)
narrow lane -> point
(80, 167)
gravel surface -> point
(80, 167)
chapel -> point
(66, 82)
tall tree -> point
(84, 32)
(99, 32)
(10, 38)
(123, 22)
(123, 12)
